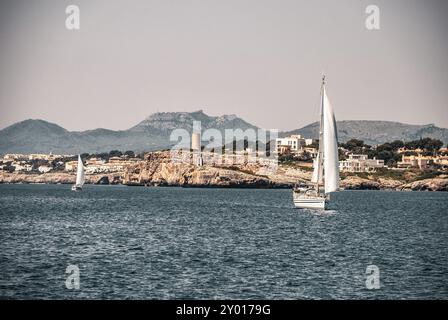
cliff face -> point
(160, 170)
(181, 175)
(435, 184)
(357, 183)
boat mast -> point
(321, 136)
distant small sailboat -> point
(79, 176)
(326, 164)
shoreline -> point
(220, 187)
(239, 180)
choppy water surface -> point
(146, 243)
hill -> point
(377, 132)
(153, 133)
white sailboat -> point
(79, 176)
(325, 177)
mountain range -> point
(153, 133)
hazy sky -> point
(259, 59)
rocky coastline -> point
(160, 172)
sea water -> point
(198, 243)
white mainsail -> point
(80, 173)
(330, 144)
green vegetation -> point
(426, 175)
(409, 175)
(390, 174)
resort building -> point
(360, 163)
(71, 165)
(95, 162)
(291, 144)
(405, 150)
(418, 161)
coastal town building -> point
(22, 166)
(441, 160)
(415, 161)
(71, 165)
(96, 165)
(34, 156)
(95, 162)
(44, 169)
(311, 151)
(292, 144)
(14, 156)
(406, 150)
(360, 163)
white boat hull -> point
(76, 188)
(317, 203)
(308, 198)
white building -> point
(360, 163)
(292, 143)
(71, 165)
(22, 166)
(15, 156)
(312, 151)
(422, 162)
(308, 142)
(44, 169)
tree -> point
(130, 154)
(286, 158)
(341, 155)
(353, 144)
(391, 163)
(385, 147)
(397, 144)
(433, 145)
(356, 146)
(315, 144)
(428, 144)
(104, 156)
(115, 153)
(386, 155)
